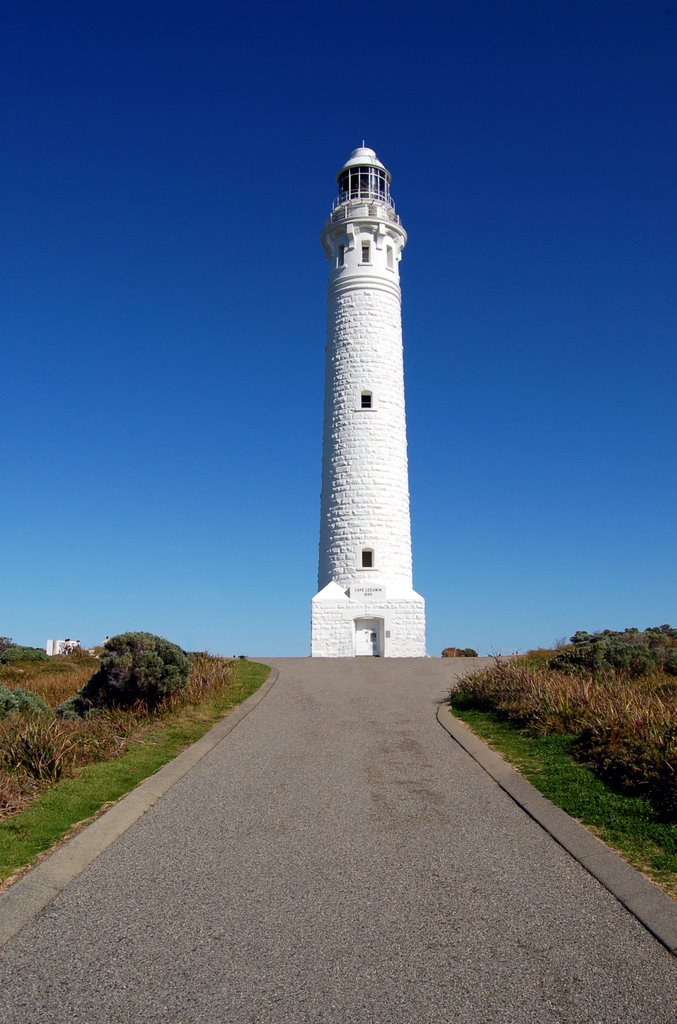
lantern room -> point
(363, 177)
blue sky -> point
(167, 172)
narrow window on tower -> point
(367, 558)
(365, 400)
(365, 252)
(341, 260)
(391, 262)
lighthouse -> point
(366, 604)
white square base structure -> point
(363, 621)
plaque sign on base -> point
(362, 592)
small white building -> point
(62, 646)
(366, 604)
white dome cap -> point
(363, 157)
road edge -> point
(644, 900)
(31, 893)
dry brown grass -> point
(208, 677)
(625, 727)
(46, 747)
(17, 789)
(54, 680)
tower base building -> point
(363, 620)
(366, 604)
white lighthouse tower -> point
(366, 604)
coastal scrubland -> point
(593, 725)
(69, 746)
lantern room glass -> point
(363, 183)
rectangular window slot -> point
(365, 400)
(367, 558)
(365, 252)
(341, 255)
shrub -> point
(19, 701)
(631, 652)
(5, 642)
(633, 658)
(12, 655)
(459, 652)
(538, 657)
(133, 668)
(671, 663)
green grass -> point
(628, 824)
(54, 812)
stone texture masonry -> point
(365, 481)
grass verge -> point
(628, 824)
(52, 814)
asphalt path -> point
(337, 858)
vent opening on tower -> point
(367, 558)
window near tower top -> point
(341, 262)
(365, 252)
(391, 262)
(367, 558)
(365, 400)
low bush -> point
(15, 655)
(19, 701)
(636, 659)
(632, 652)
(539, 657)
(134, 668)
(459, 652)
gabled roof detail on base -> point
(332, 592)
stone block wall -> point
(365, 491)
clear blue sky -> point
(167, 172)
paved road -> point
(337, 858)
